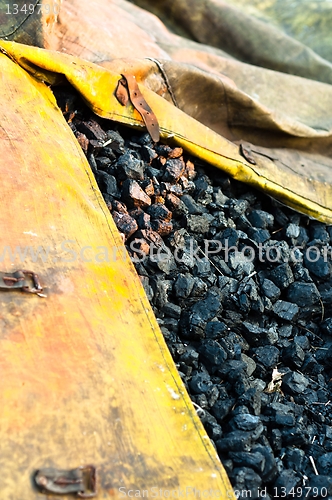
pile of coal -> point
(242, 289)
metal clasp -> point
(80, 481)
(127, 90)
(18, 280)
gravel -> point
(249, 327)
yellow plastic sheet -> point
(305, 188)
(86, 377)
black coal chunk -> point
(326, 326)
(232, 369)
(215, 329)
(235, 441)
(194, 321)
(287, 482)
(223, 406)
(261, 219)
(276, 439)
(212, 354)
(295, 458)
(320, 486)
(255, 461)
(293, 355)
(190, 357)
(107, 184)
(317, 264)
(303, 294)
(294, 383)
(270, 470)
(324, 464)
(282, 276)
(252, 399)
(193, 207)
(213, 429)
(200, 383)
(159, 211)
(268, 356)
(172, 310)
(246, 479)
(259, 235)
(130, 167)
(270, 290)
(294, 436)
(286, 310)
(282, 414)
(183, 286)
(257, 335)
(246, 421)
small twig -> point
(323, 310)
(248, 277)
(313, 465)
(307, 330)
(304, 479)
(277, 230)
(211, 262)
(325, 404)
(107, 143)
(199, 409)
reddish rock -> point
(190, 170)
(133, 195)
(151, 237)
(120, 207)
(125, 224)
(175, 153)
(83, 141)
(160, 211)
(159, 199)
(174, 169)
(148, 187)
(92, 130)
(162, 227)
(172, 201)
(140, 246)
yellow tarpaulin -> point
(305, 188)
(86, 377)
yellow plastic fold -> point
(306, 189)
(86, 377)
